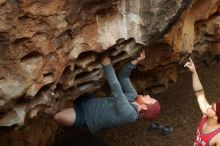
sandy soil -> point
(179, 110)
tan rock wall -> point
(51, 51)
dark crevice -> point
(30, 56)
(48, 77)
(85, 55)
(2, 78)
(67, 70)
(4, 37)
(48, 74)
(4, 45)
(109, 52)
(19, 41)
(84, 84)
(22, 100)
(24, 17)
(81, 75)
(171, 82)
(93, 66)
(157, 86)
(2, 114)
(59, 87)
(44, 89)
(122, 53)
(77, 67)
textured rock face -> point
(199, 27)
(49, 47)
(51, 50)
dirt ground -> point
(179, 110)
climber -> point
(124, 106)
(208, 131)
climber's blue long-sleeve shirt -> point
(115, 110)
